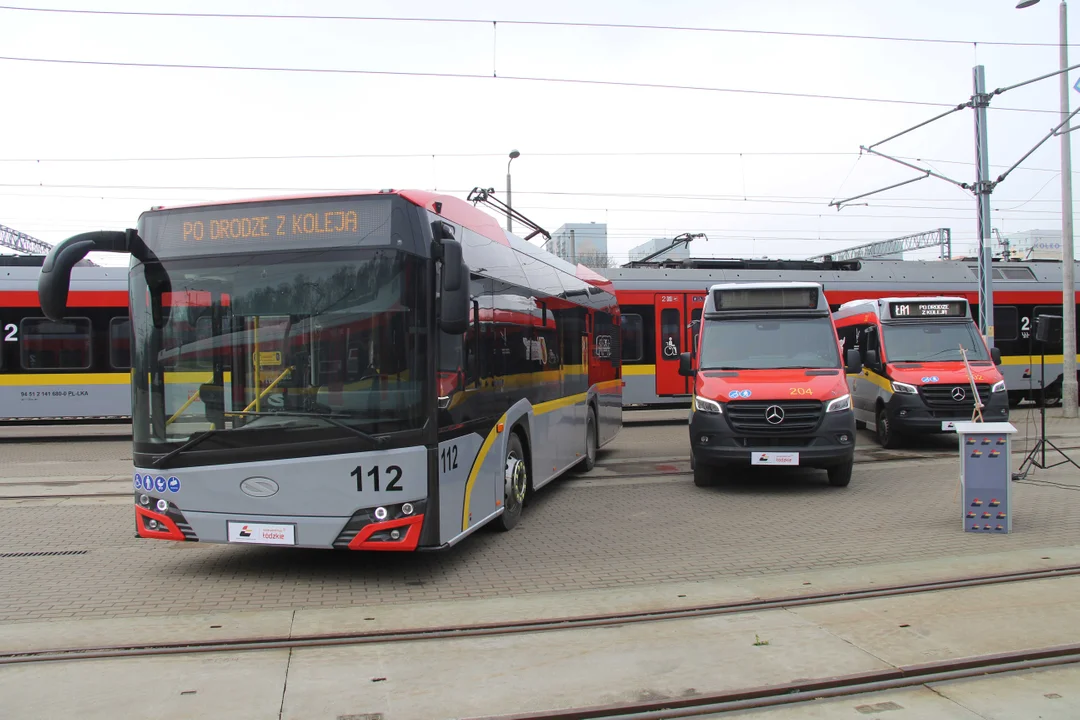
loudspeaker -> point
(1048, 328)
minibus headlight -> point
(999, 386)
(841, 403)
(707, 406)
(904, 388)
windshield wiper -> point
(727, 367)
(939, 353)
(378, 442)
(192, 442)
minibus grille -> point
(942, 398)
(760, 416)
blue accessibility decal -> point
(160, 484)
(744, 394)
(138, 481)
(174, 484)
(733, 394)
(930, 379)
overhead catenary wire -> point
(536, 23)
(484, 76)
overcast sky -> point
(755, 172)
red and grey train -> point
(80, 368)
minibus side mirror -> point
(854, 362)
(454, 319)
(871, 359)
(995, 355)
(686, 364)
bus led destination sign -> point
(948, 309)
(294, 224)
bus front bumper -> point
(832, 443)
(910, 415)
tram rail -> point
(519, 627)
(818, 689)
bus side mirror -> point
(454, 318)
(995, 355)
(854, 362)
(871, 359)
(55, 277)
(686, 364)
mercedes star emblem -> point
(774, 414)
(958, 394)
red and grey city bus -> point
(769, 383)
(372, 371)
(913, 379)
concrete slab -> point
(504, 674)
(915, 703)
(247, 686)
(1052, 694)
(913, 629)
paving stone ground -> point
(574, 534)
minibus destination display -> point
(951, 309)
(779, 298)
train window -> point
(633, 337)
(120, 343)
(48, 345)
(670, 333)
(1006, 323)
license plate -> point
(262, 533)
(774, 458)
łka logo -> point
(245, 531)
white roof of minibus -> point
(854, 307)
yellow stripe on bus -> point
(480, 456)
(638, 370)
(546, 407)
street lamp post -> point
(1068, 281)
(509, 200)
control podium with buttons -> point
(985, 476)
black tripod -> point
(1037, 457)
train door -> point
(673, 336)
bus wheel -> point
(886, 436)
(515, 484)
(840, 475)
(590, 441)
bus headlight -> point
(904, 388)
(841, 403)
(707, 406)
(163, 506)
(999, 386)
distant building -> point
(681, 252)
(1032, 245)
(585, 243)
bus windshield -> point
(330, 339)
(763, 344)
(938, 342)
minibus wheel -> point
(887, 437)
(840, 475)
